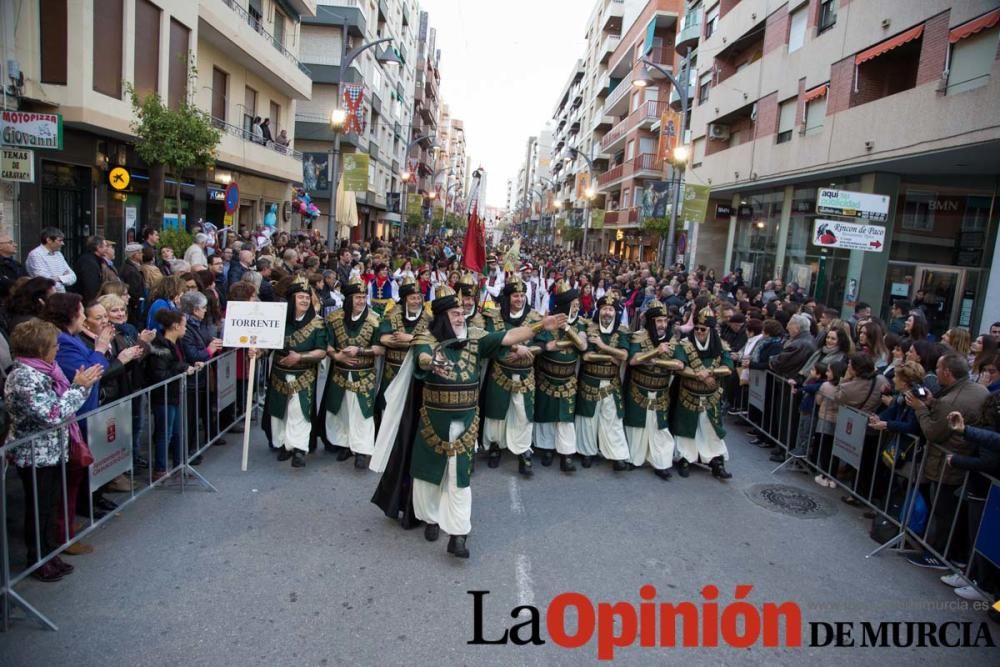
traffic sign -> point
(119, 178)
(232, 197)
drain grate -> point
(790, 500)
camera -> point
(921, 392)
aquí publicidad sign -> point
(848, 204)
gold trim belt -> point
(465, 443)
(303, 381)
(649, 381)
(558, 392)
(366, 365)
(518, 365)
(660, 403)
(557, 370)
(394, 356)
(451, 397)
(600, 371)
(362, 386)
(589, 392)
(521, 386)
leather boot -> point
(663, 474)
(361, 461)
(524, 465)
(298, 460)
(566, 463)
(547, 456)
(719, 468)
(284, 454)
(343, 454)
(456, 546)
(431, 532)
(620, 466)
(682, 468)
(493, 458)
(585, 461)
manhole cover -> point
(790, 500)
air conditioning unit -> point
(718, 131)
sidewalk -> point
(296, 567)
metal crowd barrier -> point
(959, 528)
(211, 403)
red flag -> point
(474, 250)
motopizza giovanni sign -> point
(853, 204)
(28, 129)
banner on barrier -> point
(849, 436)
(758, 389)
(225, 382)
(109, 434)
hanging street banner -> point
(255, 324)
(695, 203)
(31, 130)
(18, 164)
(670, 122)
(582, 183)
(356, 172)
(597, 218)
(414, 203)
(848, 235)
(853, 204)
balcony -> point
(675, 96)
(603, 83)
(228, 26)
(687, 37)
(623, 217)
(617, 102)
(611, 175)
(641, 166)
(643, 117)
(611, 19)
(608, 46)
(239, 148)
(603, 123)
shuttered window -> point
(53, 36)
(786, 120)
(179, 49)
(147, 49)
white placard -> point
(853, 204)
(109, 434)
(17, 164)
(758, 389)
(848, 235)
(255, 324)
(225, 381)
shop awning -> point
(889, 45)
(970, 28)
(816, 93)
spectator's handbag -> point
(895, 454)
(79, 453)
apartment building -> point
(74, 59)
(890, 98)
(388, 107)
(422, 158)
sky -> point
(503, 64)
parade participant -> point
(495, 280)
(555, 399)
(646, 394)
(424, 281)
(382, 291)
(509, 405)
(349, 398)
(397, 329)
(468, 292)
(291, 393)
(448, 363)
(599, 389)
(697, 418)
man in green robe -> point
(696, 420)
(509, 405)
(399, 327)
(448, 358)
(647, 393)
(291, 387)
(349, 399)
(555, 396)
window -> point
(108, 31)
(630, 150)
(711, 21)
(888, 67)
(275, 117)
(636, 97)
(786, 120)
(815, 113)
(971, 60)
(249, 109)
(279, 27)
(220, 85)
(704, 87)
(147, 49)
(53, 36)
(371, 174)
(797, 30)
(827, 15)
(918, 210)
(177, 78)
(255, 15)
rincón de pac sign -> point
(848, 235)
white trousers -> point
(350, 428)
(705, 445)
(445, 504)
(603, 432)
(292, 432)
(560, 436)
(514, 432)
(650, 443)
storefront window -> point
(938, 226)
(756, 242)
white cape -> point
(396, 395)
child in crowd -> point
(826, 421)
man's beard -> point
(411, 314)
(607, 325)
(461, 332)
(355, 316)
(661, 333)
(573, 314)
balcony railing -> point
(648, 110)
(643, 162)
(255, 23)
(646, 162)
(610, 175)
(243, 134)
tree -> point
(178, 139)
(658, 226)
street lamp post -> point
(346, 58)
(680, 152)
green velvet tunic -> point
(692, 397)
(310, 337)
(555, 398)
(499, 379)
(431, 447)
(343, 333)
(390, 324)
(592, 373)
(640, 380)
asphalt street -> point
(297, 567)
